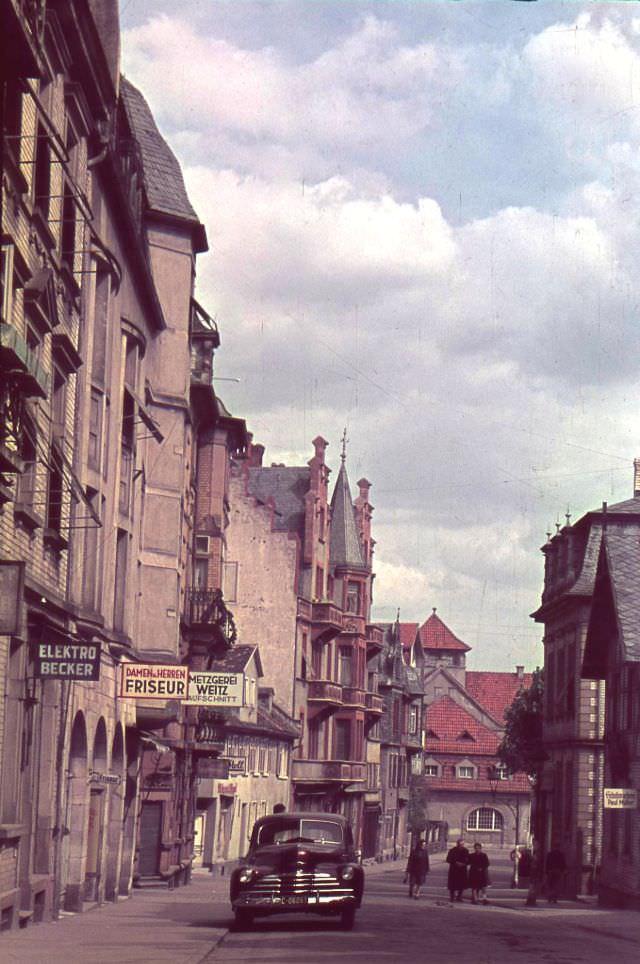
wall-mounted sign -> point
(227, 789)
(79, 661)
(237, 765)
(212, 769)
(152, 681)
(215, 689)
(620, 799)
(104, 779)
(11, 582)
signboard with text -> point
(215, 689)
(77, 661)
(622, 798)
(152, 681)
(237, 765)
(212, 769)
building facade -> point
(467, 790)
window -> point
(122, 546)
(344, 665)
(413, 720)
(484, 818)
(342, 737)
(314, 739)
(431, 769)
(316, 659)
(499, 771)
(55, 492)
(353, 597)
(466, 772)
(6, 282)
(100, 317)
(42, 177)
(319, 583)
(230, 581)
(68, 232)
(200, 573)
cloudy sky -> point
(423, 222)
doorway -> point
(150, 838)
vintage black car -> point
(298, 862)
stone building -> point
(611, 656)
(464, 724)
(571, 783)
(302, 568)
(108, 407)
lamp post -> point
(514, 807)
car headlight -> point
(346, 873)
(246, 875)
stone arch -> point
(99, 757)
(117, 770)
(98, 809)
(77, 812)
(130, 782)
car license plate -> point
(295, 899)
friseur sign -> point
(77, 661)
(152, 681)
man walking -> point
(555, 867)
(417, 868)
(458, 860)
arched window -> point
(484, 818)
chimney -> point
(255, 455)
(636, 478)
(520, 672)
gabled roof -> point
(434, 634)
(345, 544)
(448, 720)
(616, 603)
(496, 691)
(236, 659)
(285, 486)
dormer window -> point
(432, 735)
(465, 735)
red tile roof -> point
(518, 783)
(408, 633)
(448, 720)
(495, 691)
(435, 635)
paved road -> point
(191, 926)
(391, 928)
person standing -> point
(417, 868)
(555, 867)
(458, 860)
(478, 874)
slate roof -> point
(448, 720)
(235, 660)
(345, 543)
(163, 181)
(286, 487)
(495, 691)
(622, 548)
(435, 635)
(408, 633)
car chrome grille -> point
(286, 885)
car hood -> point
(286, 858)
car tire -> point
(348, 918)
(244, 919)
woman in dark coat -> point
(458, 859)
(417, 868)
(478, 874)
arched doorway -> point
(97, 808)
(131, 777)
(76, 815)
(116, 806)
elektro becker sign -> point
(150, 681)
(79, 661)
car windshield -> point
(290, 829)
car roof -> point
(304, 815)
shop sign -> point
(237, 765)
(11, 581)
(104, 779)
(620, 799)
(77, 661)
(212, 769)
(227, 789)
(152, 681)
(215, 689)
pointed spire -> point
(343, 453)
(345, 543)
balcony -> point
(328, 771)
(304, 609)
(18, 360)
(374, 703)
(326, 621)
(205, 611)
(375, 638)
(324, 691)
(352, 696)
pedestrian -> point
(478, 874)
(458, 860)
(417, 868)
(555, 866)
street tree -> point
(521, 748)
